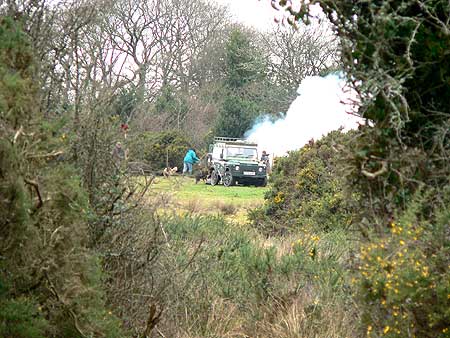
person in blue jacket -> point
(189, 160)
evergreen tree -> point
(244, 71)
(172, 105)
(125, 104)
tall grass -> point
(226, 280)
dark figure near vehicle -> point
(201, 174)
(266, 161)
(264, 156)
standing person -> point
(118, 154)
(266, 160)
(119, 158)
(189, 160)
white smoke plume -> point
(318, 109)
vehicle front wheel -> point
(227, 179)
(214, 177)
(262, 182)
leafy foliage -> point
(15, 74)
(22, 318)
(308, 188)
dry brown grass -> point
(224, 320)
(193, 206)
(283, 244)
(300, 317)
(226, 208)
(307, 317)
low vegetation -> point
(215, 278)
(264, 282)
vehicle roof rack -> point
(234, 140)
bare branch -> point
(35, 185)
(17, 134)
(48, 155)
(381, 171)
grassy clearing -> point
(185, 196)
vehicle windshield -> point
(242, 152)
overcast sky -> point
(260, 14)
(254, 13)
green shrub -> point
(21, 318)
(222, 260)
(404, 278)
(48, 275)
(308, 188)
(232, 264)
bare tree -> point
(133, 30)
(299, 52)
(191, 27)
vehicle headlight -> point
(260, 169)
(236, 167)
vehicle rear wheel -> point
(214, 177)
(227, 179)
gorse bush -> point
(22, 318)
(404, 281)
(238, 269)
(49, 281)
(308, 188)
(395, 56)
